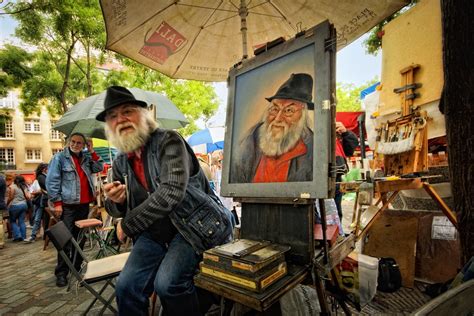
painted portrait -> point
(272, 122)
(276, 138)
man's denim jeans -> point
(167, 270)
(17, 220)
(37, 221)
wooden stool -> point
(90, 225)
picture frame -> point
(256, 89)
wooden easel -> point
(290, 222)
(385, 187)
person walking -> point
(18, 196)
(40, 200)
(70, 189)
(3, 209)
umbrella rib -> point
(282, 15)
(203, 7)
(228, 18)
(195, 38)
(143, 23)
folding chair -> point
(94, 271)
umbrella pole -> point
(243, 12)
(110, 154)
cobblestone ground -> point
(28, 284)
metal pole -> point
(243, 12)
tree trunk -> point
(457, 104)
(67, 72)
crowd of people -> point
(161, 190)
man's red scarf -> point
(275, 169)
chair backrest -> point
(60, 235)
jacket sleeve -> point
(349, 143)
(53, 179)
(174, 164)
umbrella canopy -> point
(81, 117)
(202, 39)
(207, 140)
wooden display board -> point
(394, 235)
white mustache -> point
(123, 126)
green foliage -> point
(62, 70)
(14, 68)
(55, 27)
(348, 95)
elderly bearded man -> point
(280, 147)
(167, 207)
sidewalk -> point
(28, 285)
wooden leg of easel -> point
(372, 221)
(354, 213)
(340, 296)
(443, 206)
(318, 284)
(357, 223)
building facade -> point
(26, 141)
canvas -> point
(278, 137)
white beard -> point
(131, 141)
(284, 141)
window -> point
(54, 134)
(11, 101)
(32, 125)
(6, 128)
(56, 150)
(7, 156)
(33, 154)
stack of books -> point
(249, 264)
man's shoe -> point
(61, 281)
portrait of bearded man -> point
(279, 148)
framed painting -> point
(279, 139)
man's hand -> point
(340, 128)
(58, 211)
(115, 192)
(120, 234)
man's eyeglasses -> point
(127, 112)
(286, 111)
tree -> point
(56, 27)
(15, 70)
(457, 104)
(67, 35)
(348, 95)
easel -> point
(395, 186)
(409, 162)
(290, 222)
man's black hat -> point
(116, 96)
(299, 87)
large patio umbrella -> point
(202, 39)
(207, 140)
(81, 117)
